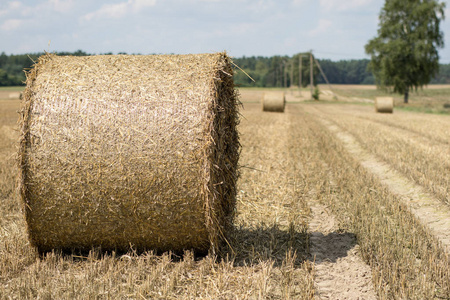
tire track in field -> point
(419, 140)
(407, 123)
(410, 131)
(339, 270)
(274, 144)
(429, 210)
(427, 143)
(422, 160)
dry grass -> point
(435, 129)
(407, 261)
(288, 160)
(423, 157)
(6, 92)
(265, 259)
(254, 95)
(15, 251)
(430, 99)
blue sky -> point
(333, 29)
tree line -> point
(12, 66)
(284, 71)
(253, 71)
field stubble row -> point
(266, 256)
(422, 156)
(288, 160)
(408, 262)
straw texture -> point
(125, 151)
(273, 101)
(384, 104)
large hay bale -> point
(121, 150)
(14, 95)
(384, 104)
(273, 101)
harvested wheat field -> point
(333, 201)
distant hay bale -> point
(123, 151)
(384, 104)
(14, 95)
(273, 101)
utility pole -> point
(281, 74)
(285, 74)
(291, 82)
(311, 77)
(300, 72)
(276, 77)
(324, 77)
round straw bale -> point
(14, 95)
(121, 151)
(384, 104)
(273, 101)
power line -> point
(442, 60)
(354, 56)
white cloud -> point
(109, 11)
(18, 8)
(346, 5)
(61, 6)
(120, 9)
(137, 5)
(14, 4)
(19, 13)
(299, 2)
(12, 7)
(11, 24)
(321, 28)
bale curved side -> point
(273, 101)
(120, 151)
(384, 104)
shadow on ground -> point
(330, 247)
(251, 246)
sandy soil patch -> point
(339, 269)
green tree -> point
(4, 78)
(404, 55)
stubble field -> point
(334, 202)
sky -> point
(332, 29)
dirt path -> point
(429, 210)
(271, 144)
(340, 272)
